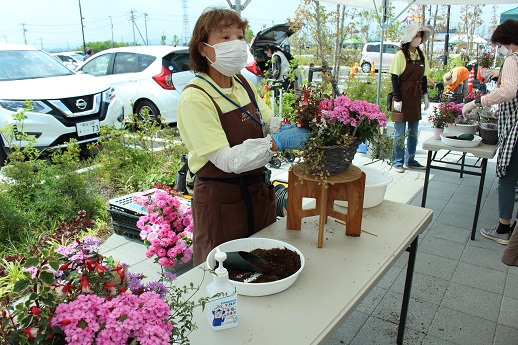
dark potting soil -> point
(280, 263)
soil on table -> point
(280, 263)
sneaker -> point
(495, 236)
(415, 165)
(398, 168)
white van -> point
(371, 54)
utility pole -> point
(41, 43)
(111, 26)
(447, 37)
(186, 33)
(238, 7)
(132, 12)
(82, 27)
(145, 24)
(24, 31)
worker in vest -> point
(279, 65)
(453, 78)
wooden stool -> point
(348, 186)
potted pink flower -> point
(167, 229)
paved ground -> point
(462, 294)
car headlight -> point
(108, 95)
(15, 106)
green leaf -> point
(54, 265)
(31, 262)
(47, 277)
(21, 285)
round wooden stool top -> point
(351, 174)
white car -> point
(371, 53)
(69, 59)
(146, 77)
(65, 105)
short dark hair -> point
(89, 51)
(210, 19)
(506, 33)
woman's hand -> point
(292, 138)
(426, 102)
(468, 107)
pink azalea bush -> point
(359, 119)
(91, 319)
(167, 229)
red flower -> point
(32, 332)
(64, 267)
(85, 285)
(35, 311)
(65, 322)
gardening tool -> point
(242, 261)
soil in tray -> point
(280, 263)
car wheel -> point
(148, 106)
(366, 67)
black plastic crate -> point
(122, 230)
(125, 204)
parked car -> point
(371, 53)
(69, 59)
(146, 77)
(64, 105)
(275, 35)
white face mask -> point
(503, 50)
(231, 57)
(416, 42)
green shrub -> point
(135, 161)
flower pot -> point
(337, 159)
(457, 129)
(437, 133)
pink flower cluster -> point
(167, 228)
(352, 112)
(91, 319)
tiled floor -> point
(462, 294)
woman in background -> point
(409, 83)
(505, 37)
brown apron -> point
(411, 85)
(510, 256)
(228, 206)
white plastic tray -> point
(460, 143)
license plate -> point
(88, 127)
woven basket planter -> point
(337, 159)
(489, 133)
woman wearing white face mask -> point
(230, 134)
(505, 37)
(409, 83)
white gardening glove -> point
(398, 106)
(468, 107)
(493, 73)
(426, 102)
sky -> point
(55, 25)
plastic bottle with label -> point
(221, 309)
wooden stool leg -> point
(323, 215)
(355, 194)
(294, 205)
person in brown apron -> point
(409, 83)
(230, 134)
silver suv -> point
(65, 105)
